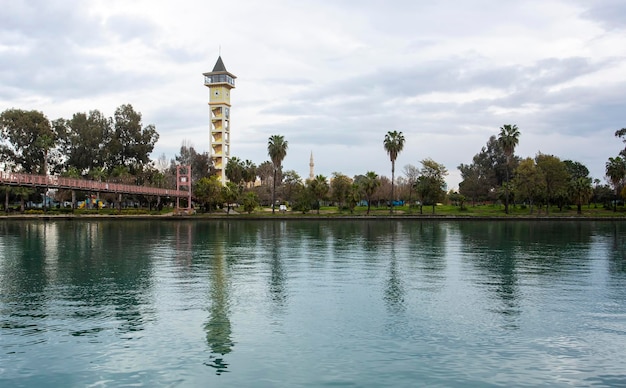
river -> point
(375, 303)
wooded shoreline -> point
(306, 217)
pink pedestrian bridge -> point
(55, 182)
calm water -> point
(306, 303)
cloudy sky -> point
(333, 76)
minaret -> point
(220, 82)
(311, 166)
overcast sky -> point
(333, 77)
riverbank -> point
(442, 212)
(310, 217)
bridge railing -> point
(51, 181)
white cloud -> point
(333, 77)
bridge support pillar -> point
(73, 200)
(183, 182)
(119, 202)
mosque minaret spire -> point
(311, 168)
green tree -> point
(303, 199)
(71, 172)
(340, 186)
(121, 174)
(250, 202)
(45, 143)
(576, 169)
(508, 139)
(603, 194)
(235, 170)
(616, 172)
(277, 150)
(393, 143)
(354, 196)
(411, 173)
(486, 173)
(423, 189)
(292, 184)
(431, 184)
(621, 133)
(265, 171)
(27, 138)
(201, 163)
(580, 191)
(208, 192)
(319, 188)
(472, 185)
(368, 183)
(529, 182)
(230, 195)
(579, 187)
(131, 144)
(84, 140)
(250, 172)
(457, 199)
(555, 177)
(23, 193)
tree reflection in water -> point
(394, 292)
(278, 276)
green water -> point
(307, 303)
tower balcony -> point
(214, 79)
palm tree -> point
(23, 193)
(394, 143)
(235, 170)
(98, 173)
(508, 139)
(277, 150)
(264, 171)
(580, 190)
(250, 172)
(369, 184)
(616, 171)
(354, 196)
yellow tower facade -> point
(220, 82)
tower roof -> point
(219, 68)
(219, 65)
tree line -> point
(117, 149)
(496, 175)
(87, 145)
(269, 185)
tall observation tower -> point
(220, 82)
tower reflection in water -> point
(218, 327)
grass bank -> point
(440, 212)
